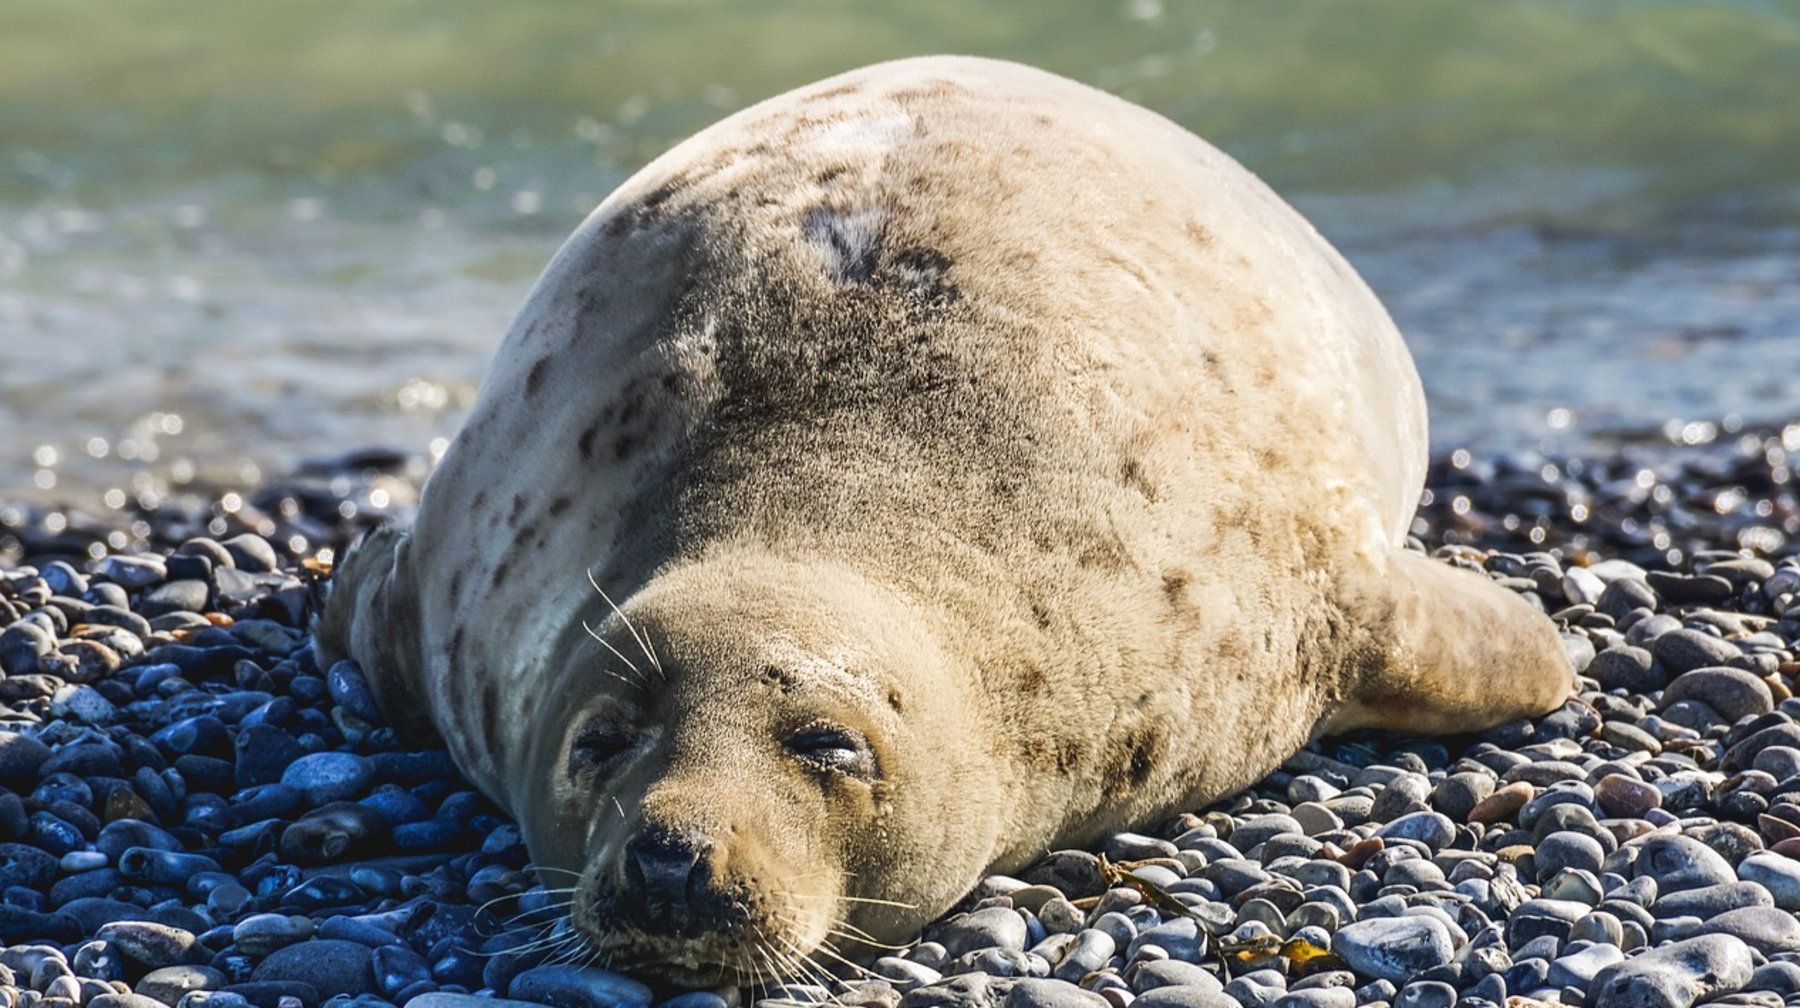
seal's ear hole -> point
(600, 745)
(835, 749)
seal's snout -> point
(671, 884)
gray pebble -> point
(170, 983)
(1037, 993)
(904, 974)
(1632, 669)
(1684, 650)
(1580, 963)
(1089, 954)
(331, 966)
(1675, 976)
(132, 571)
(1709, 900)
(1676, 862)
(1317, 997)
(329, 776)
(1426, 994)
(1172, 973)
(1457, 793)
(1732, 692)
(994, 927)
(154, 945)
(1256, 989)
(1394, 948)
(1199, 996)
(1767, 929)
(1433, 829)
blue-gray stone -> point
(1198, 996)
(1180, 938)
(1394, 948)
(25, 865)
(333, 967)
(1433, 829)
(994, 927)
(1679, 862)
(350, 689)
(1676, 975)
(1149, 976)
(1043, 993)
(1707, 901)
(1577, 967)
(329, 776)
(580, 987)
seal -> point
(904, 477)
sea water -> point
(234, 236)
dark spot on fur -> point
(479, 501)
(456, 640)
(894, 702)
(1131, 474)
(829, 175)
(559, 505)
(525, 532)
(836, 92)
(630, 410)
(1040, 614)
(624, 446)
(1058, 755)
(490, 699)
(671, 382)
(1031, 678)
(920, 273)
(1132, 759)
(535, 377)
(851, 242)
(500, 571)
(518, 508)
(1174, 587)
(585, 444)
(456, 585)
(648, 210)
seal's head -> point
(752, 765)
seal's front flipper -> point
(1457, 652)
(369, 616)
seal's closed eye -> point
(601, 745)
(835, 749)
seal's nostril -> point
(663, 866)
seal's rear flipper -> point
(1459, 653)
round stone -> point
(1733, 692)
(329, 776)
(1394, 948)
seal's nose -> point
(671, 873)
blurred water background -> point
(238, 235)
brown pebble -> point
(1777, 688)
(94, 661)
(1788, 848)
(1504, 803)
(1625, 797)
(1360, 852)
(1627, 830)
(124, 803)
(1520, 856)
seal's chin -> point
(710, 961)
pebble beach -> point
(193, 812)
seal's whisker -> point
(621, 808)
(855, 899)
(844, 929)
(643, 640)
(827, 948)
(619, 655)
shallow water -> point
(235, 236)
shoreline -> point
(172, 752)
